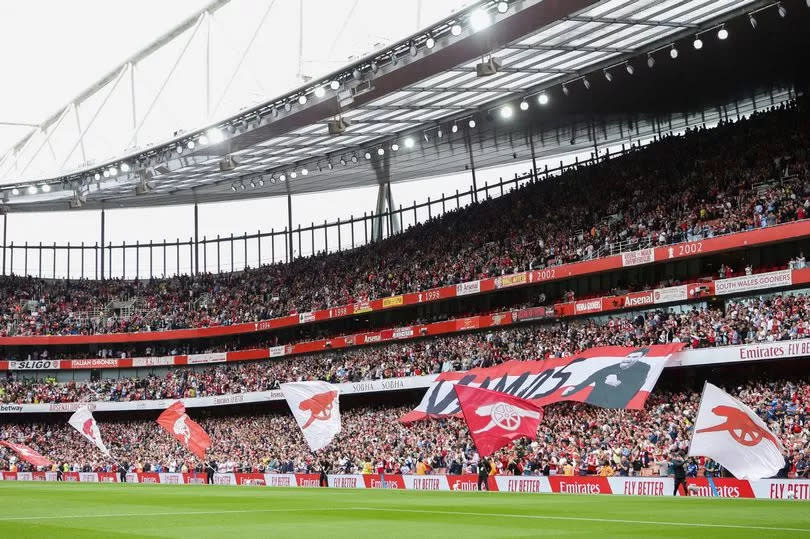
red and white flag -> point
(607, 376)
(82, 420)
(497, 419)
(177, 423)
(27, 454)
(731, 433)
(316, 410)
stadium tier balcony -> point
(736, 177)
(746, 320)
(572, 439)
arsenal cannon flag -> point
(496, 419)
(177, 423)
(609, 377)
(27, 454)
(82, 420)
(316, 410)
(731, 433)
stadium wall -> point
(798, 489)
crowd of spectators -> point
(573, 438)
(755, 319)
(738, 176)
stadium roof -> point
(410, 96)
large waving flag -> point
(27, 454)
(608, 376)
(497, 419)
(731, 433)
(177, 423)
(316, 410)
(82, 420)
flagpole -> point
(702, 393)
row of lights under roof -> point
(478, 20)
(697, 43)
(507, 111)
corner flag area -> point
(113, 510)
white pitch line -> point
(174, 513)
(582, 519)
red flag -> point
(177, 423)
(496, 419)
(27, 454)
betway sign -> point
(348, 388)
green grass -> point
(115, 510)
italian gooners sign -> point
(316, 410)
(609, 377)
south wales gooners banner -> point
(609, 377)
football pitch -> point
(131, 510)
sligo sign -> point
(34, 365)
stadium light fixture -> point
(439, 132)
(380, 151)
(454, 128)
(97, 176)
(413, 49)
(629, 68)
(203, 140)
(697, 43)
(106, 173)
(409, 142)
(395, 147)
(608, 75)
(343, 161)
(506, 112)
(215, 135)
(374, 67)
(503, 7)
(320, 91)
(190, 145)
(673, 52)
(304, 171)
(425, 136)
(455, 29)
(282, 177)
(15, 191)
(241, 186)
(542, 98)
(430, 43)
(354, 158)
(471, 123)
(356, 74)
(46, 188)
(125, 166)
(334, 85)
(565, 89)
(302, 99)
(293, 175)
(233, 187)
(367, 155)
(722, 33)
(179, 148)
(113, 171)
(650, 61)
(781, 10)
(524, 105)
(32, 190)
(479, 19)
(586, 82)
(261, 182)
(329, 165)
(252, 184)
(752, 20)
